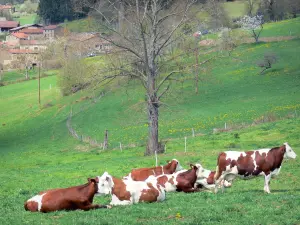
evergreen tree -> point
(55, 11)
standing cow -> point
(72, 198)
(264, 162)
(142, 174)
(127, 192)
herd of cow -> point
(150, 184)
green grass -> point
(19, 75)
(235, 9)
(84, 25)
(240, 80)
(282, 28)
(27, 19)
(37, 153)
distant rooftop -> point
(20, 35)
(6, 7)
(9, 24)
(26, 26)
(50, 27)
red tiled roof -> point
(6, 7)
(20, 35)
(21, 51)
(50, 27)
(31, 31)
(9, 24)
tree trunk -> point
(121, 16)
(26, 73)
(153, 144)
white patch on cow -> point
(128, 177)
(275, 172)
(105, 184)
(289, 153)
(116, 201)
(38, 199)
(201, 172)
(135, 189)
(178, 167)
(172, 187)
(267, 181)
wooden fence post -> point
(105, 143)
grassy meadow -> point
(37, 152)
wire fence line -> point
(226, 127)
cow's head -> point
(289, 153)
(178, 166)
(201, 172)
(105, 184)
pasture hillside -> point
(37, 152)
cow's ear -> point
(97, 180)
(192, 166)
(282, 149)
(92, 180)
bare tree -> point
(142, 46)
(25, 60)
(250, 7)
(269, 59)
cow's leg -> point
(220, 182)
(267, 183)
(228, 180)
(188, 189)
(116, 201)
(91, 206)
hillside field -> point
(37, 153)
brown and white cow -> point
(142, 174)
(72, 198)
(265, 162)
(127, 192)
(183, 180)
(207, 180)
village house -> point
(52, 31)
(87, 44)
(33, 45)
(22, 58)
(5, 25)
(13, 39)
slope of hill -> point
(37, 153)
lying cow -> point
(183, 180)
(142, 174)
(72, 198)
(264, 162)
(207, 180)
(127, 192)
